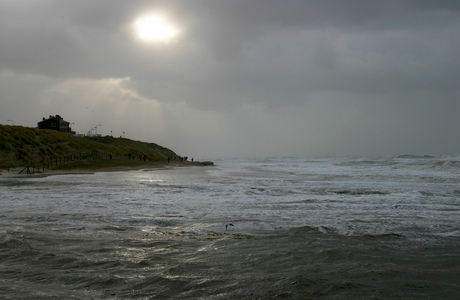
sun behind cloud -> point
(155, 28)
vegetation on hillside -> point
(24, 146)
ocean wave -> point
(360, 192)
(415, 156)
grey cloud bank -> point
(242, 78)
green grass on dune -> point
(24, 146)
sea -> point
(265, 228)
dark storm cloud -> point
(322, 67)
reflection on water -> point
(347, 228)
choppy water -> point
(303, 228)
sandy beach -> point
(94, 167)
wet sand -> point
(97, 166)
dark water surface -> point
(327, 229)
(126, 263)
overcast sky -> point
(240, 78)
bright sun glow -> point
(155, 29)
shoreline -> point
(95, 168)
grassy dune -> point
(24, 146)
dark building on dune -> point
(55, 123)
